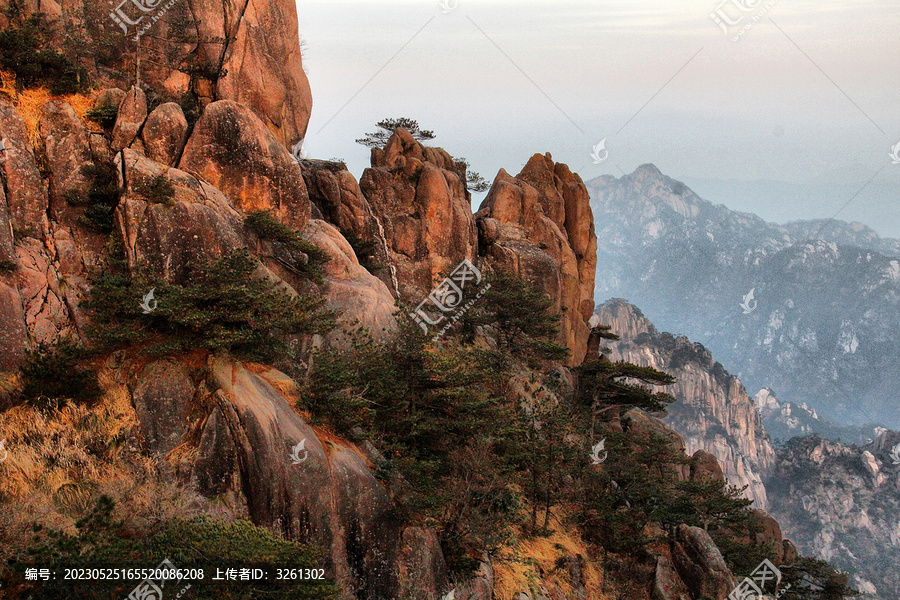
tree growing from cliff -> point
(604, 384)
(387, 127)
(474, 181)
(223, 305)
(521, 320)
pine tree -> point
(387, 127)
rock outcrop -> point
(539, 226)
(246, 52)
(130, 118)
(168, 239)
(232, 150)
(713, 411)
(165, 133)
(238, 425)
(336, 195)
(419, 196)
(840, 503)
(360, 298)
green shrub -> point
(105, 116)
(267, 227)
(25, 49)
(159, 190)
(53, 375)
(222, 306)
(100, 541)
(99, 199)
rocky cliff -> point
(786, 420)
(539, 226)
(221, 427)
(713, 411)
(841, 503)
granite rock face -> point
(713, 411)
(231, 149)
(295, 479)
(840, 503)
(247, 52)
(539, 226)
(419, 196)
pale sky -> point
(817, 100)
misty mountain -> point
(808, 308)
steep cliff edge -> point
(539, 226)
(713, 412)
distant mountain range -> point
(811, 308)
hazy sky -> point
(809, 93)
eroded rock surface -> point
(538, 225)
(419, 195)
(232, 150)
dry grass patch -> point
(29, 102)
(59, 463)
(519, 566)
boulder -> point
(164, 133)
(700, 564)
(170, 237)
(132, 114)
(667, 585)
(232, 150)
(705, 467)
(359, 297)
